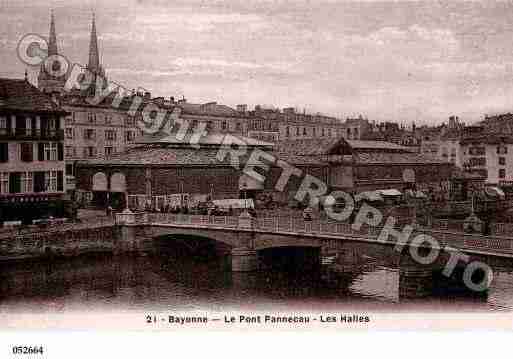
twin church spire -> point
(48, 83)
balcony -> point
(23, 134)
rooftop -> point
(210, 140)
(211, 109)
(376, 145)
(396, 158)
(21, 95)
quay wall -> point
(71, 243)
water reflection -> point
(170, 280)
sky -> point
(388, 61)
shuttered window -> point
(27, 154)
(60, 181)
(4, 152)
(15, 182)
(40, 151)
(60, 151)
(39, 182)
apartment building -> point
(32, 163)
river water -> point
(164, 280)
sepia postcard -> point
(206, 166)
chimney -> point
(242, 108)
(172, 98)
(147, 95)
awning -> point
(369, 196)
(234, 203)
(494, 192)
(390, 192)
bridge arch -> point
(232, 239)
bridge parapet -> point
(127, 217)
(328, 228)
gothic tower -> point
(46, 81)
(94, 64)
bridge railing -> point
(333, 228)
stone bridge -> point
(247, 236)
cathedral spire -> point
(94, 56)
(52, 39)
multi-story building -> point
(394, 133)
(490, 155)
(32, 164)
(270, 125)
(443, 141)
(357, 128)
(96, 131)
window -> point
(51, 181)
(26, 152)
(238, 127)
(502, 161)
(502, 173)
(28, 126)
(129, 136)
(108, 120)
(69, 133)
(50, 151)
(476, 151)
(89, 134)
(130, 121)
(27, 182)
(110, 135)
(3, 122)
(224, 125)
(69, 170)
(194, 123)
(478, 161)
(4, 152)
(304, 131)
(502, 150)
(315, 131)
(39, 182)
(322, 132)
(52, 123)
(89, 151)
(108, 151)
(14, 182)
(287, 131)
(91, 118)
(70, 151)
(4, 182)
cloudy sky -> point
(388, 61)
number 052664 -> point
(27, 350)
